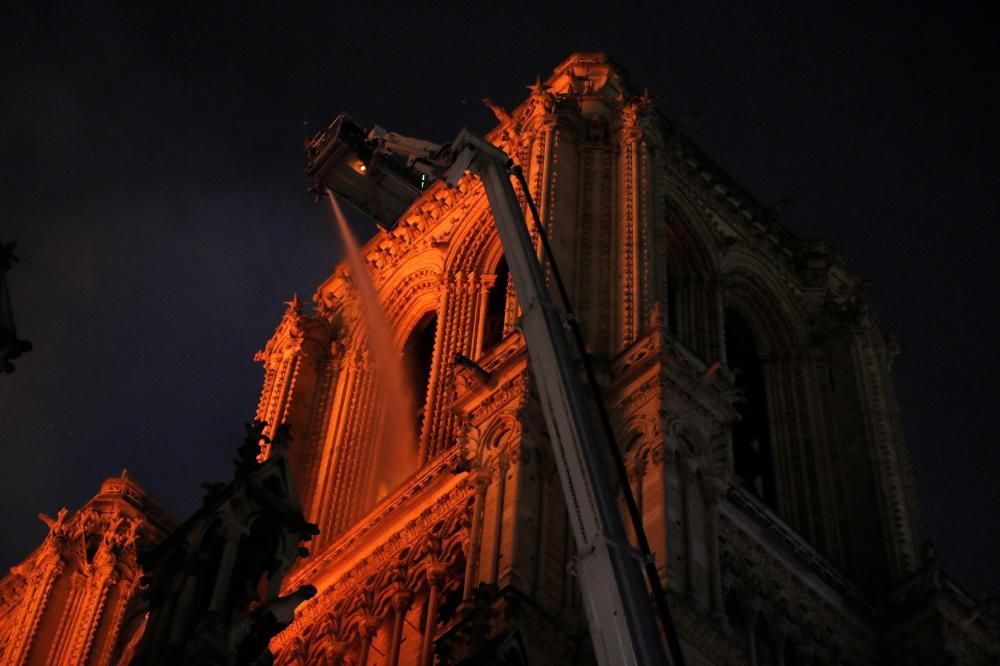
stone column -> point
(114, 620)
(481, 479)
(455, 317)
(712, 489)
(435, 577)
(401, 603)
(369, 627)
(635, 473)
(39, 587)
(748, 618)
(654, 506)
(674, 534)
(688, 469)
(340, 493)
(629, 183)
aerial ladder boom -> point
(621, 619)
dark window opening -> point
(735, 616)
(496, 308)
(751, 441)
(672, 309)
(418, 353)
(93, 543)
(597, 129)
(763, 651)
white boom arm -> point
(621, 618)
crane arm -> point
(619, 614)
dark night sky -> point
(151, 172)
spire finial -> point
(294, 305)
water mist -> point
(396, 456)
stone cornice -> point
(505, 363)
(438, 473)
(817, 275)
(750, 516)
(704, 386)
(453, 498)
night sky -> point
(151, 171)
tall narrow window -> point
(751, 442)
(496, 308)
(673, 293)
(418, 354)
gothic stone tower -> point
(750, 385)
(67, 602)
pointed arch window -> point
(397, 455)
(673, 296)
(496, 307)
(418, 356)
(752, 460)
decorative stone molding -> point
(93, 554)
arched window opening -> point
(691, 295)
(496, 307)
(418, 353)
(751, 440)
(673, 294)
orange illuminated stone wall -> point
(664, 256)
(781, 511)
(66, 602)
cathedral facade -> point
(749, 383)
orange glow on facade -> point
(770, 537)
(68, 601)
(396, 453)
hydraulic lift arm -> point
(621, 618)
